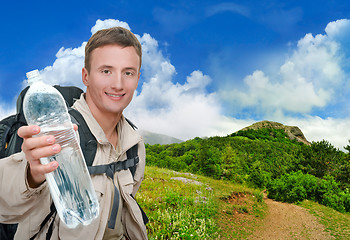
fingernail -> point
(49, 140)
(54, 165)
(35, 129)
(55, 148)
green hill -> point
(264, 158)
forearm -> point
(17, 199)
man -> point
(111, 74)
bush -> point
(297, 186)
(290, 187)
(257, 177)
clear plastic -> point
(70, 184)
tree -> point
(348, 148)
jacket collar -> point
(127, 136)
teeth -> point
(113, 95)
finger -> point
(42, 152)
(75, 127)
(42, 169)
(28, 131)
(37, 172)
(37, 142)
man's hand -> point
(35, 148)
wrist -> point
(34, 182)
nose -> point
(117, 81)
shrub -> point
(297, 186)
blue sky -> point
(209, 67)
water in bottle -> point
(70, 184)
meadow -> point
(230, 175)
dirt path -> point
(288, 221)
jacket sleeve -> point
(140, 170)
(17, 199)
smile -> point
(115, 95)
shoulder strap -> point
(109, 169)
(88, 141)
(53, 213)
(132, 155)
(131, 124)
(70, 93)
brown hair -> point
(115, 35)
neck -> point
(108, 122)
(109, 125)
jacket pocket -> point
(126, 181)
(99, 186)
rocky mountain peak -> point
(293, 132)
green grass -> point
(188, 211)
(214, 210)
(336, 223)
(177, 210)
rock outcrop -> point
(292, 132)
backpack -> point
(11, 143)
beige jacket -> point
(29, 207)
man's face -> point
(113, 78)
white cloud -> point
(338, 28)
(308, 79)
(66, 70)
(179, 110)
(108, 23)
(335, 131)
(5, 110)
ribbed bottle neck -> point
(33, 76)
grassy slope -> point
(338, 224)
(214, 210)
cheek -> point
(132, 85)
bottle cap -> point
(33, 76)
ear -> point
(138, 78)
(85, 76)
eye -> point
(129, 73)
(106, 71)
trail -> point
(288, 221)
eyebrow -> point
(124, 69)
(105, 66)
(131, 68)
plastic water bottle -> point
(70, 184)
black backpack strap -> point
(70, 93)
(144, 216)
(53, 212)
(132, 154)
(7, 231)
(110, 169)
(131, 124)
(88, 141)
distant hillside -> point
(154, 138)
(292, 132)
